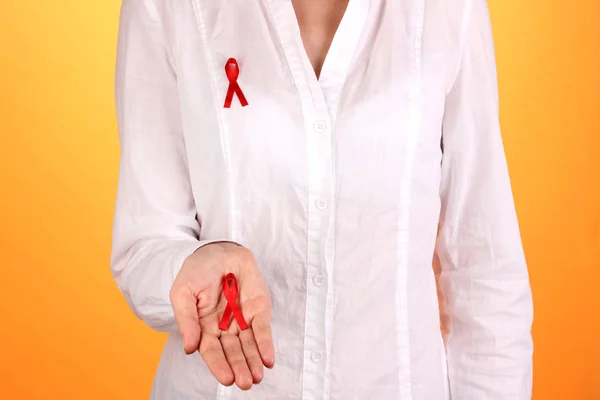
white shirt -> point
(345, 188)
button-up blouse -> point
(376, 199)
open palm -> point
(233, 355)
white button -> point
(321, 204)
(317, 356)
(318, 280)
(320, 126)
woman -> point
(324, 153)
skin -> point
(236, 356)
(233, 356)
(318, 20)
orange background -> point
(65, 330)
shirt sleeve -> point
(155, 223)
(483, 274)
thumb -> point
(186, 314)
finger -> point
(261, 326)
(214, 357)
(235, 356)
(250, 349)
(185, 308)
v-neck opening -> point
(318, 76)
(326, 88)
(345, 40)
(329, 44)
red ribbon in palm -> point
(230, 291)
(233, 71)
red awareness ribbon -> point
(233, 71)
(230, 290)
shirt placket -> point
(317, 126)
(318, 129)
(319, 104)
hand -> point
(196, 296)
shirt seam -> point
(222, 392)
(462, 44)
(403, 335)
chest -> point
(380, 91)
(318, 21)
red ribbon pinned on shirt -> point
(230, 290)
(233, 71)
